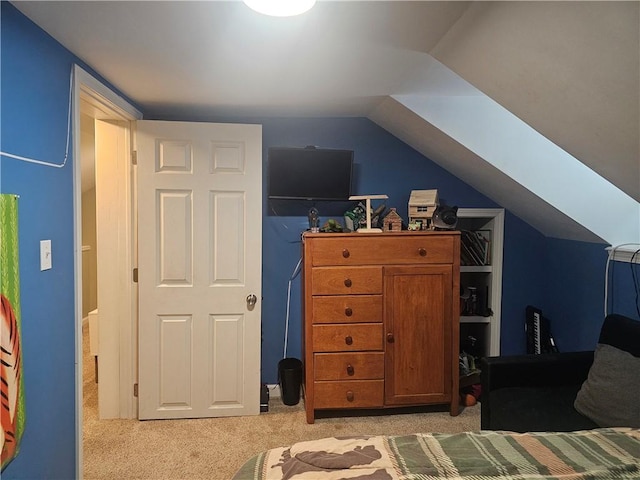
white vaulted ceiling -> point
(568, 72)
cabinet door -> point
(418, 334)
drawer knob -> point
(347, 282)
(422, 251)
(349, 396)
(390, 338)
(348, 340)
(350, 370)
(345, 253)
(348, 312)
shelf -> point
(476, 269)
(487, 279)
(474, 319)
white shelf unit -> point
(486, 278)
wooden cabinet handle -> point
(348, 312)
(390, 338)
(349, 396)
(348, 340)
(345, 253)
(347, 282)
(422, 251)
(350, 370)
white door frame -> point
(105, 104)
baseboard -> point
(274, 390)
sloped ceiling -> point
(571, 70)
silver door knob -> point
(251, 300)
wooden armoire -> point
(381, 322)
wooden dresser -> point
(380, 320)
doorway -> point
(93, 101)
(89, 283)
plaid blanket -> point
(591, 454)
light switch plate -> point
(45, 254)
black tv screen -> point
(309, 173)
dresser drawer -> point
(347, 337)
(349, 366)
(349, 394)
(346, 281)
(347, 309)
(390, 249)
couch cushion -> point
(611, 394)
(537, 409)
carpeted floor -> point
(215, 448)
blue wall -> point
(35, 95)
(565, 279)
(575, 307)
(384, 164)
(523, 271)
(34, 101)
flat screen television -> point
(309, 173)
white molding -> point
(103, 101)
(103, 98)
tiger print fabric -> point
(12, 406)
(9, 378)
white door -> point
(199, 259)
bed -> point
(606, 453)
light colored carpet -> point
(215, 448)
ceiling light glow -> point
(280, 8)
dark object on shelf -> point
(474, 302)
(469, 345)
(532, 393)
(290, 380)
(475, 247)
(444, 218)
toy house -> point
(392, 222)
(422, 204)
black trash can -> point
(290, 379)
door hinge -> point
(135, 389)
(134, 157)
(135, 275)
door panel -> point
(174, 237)
(418, 322)
(176, 350)
(199, 259)
(227, 211)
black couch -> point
(529, 393)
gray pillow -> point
(611, 394)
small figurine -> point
(331, 226)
